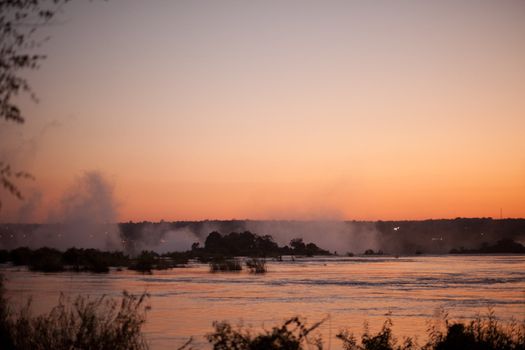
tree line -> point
(217, 247)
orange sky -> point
(280, 109)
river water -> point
(348, 291)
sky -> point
(211, 109)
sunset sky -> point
(214, 109)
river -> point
(348, 291)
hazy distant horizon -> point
(275, 220)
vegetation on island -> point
(219, 251)
(372, 252)
(256, 265)
(89, 260)
(252, 245)
(503, 246)
(225, 265)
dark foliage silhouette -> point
(20, 20)
(482, 333)
(253, 245)
(256, 265)
(501, 246)
(225, 265)
(291, 335)
(83, 323)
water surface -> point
(349, 291)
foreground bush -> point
(292, 335)
(86, 323)
(483, 333)
(383, 340)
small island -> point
(503, 246)
(218, 249)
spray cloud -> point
(85, 218)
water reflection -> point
(186, 301)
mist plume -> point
(85, 218)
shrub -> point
(383, 340)
(225, 265)
(4, 256)
(93, 260)
(86, 323)
(481, 333)
(20, 256)
(46, 260)
(5, 324)
(145, 262)
(256, 265)
(98, 266)
(178, 259)
(372, 252)
(291, 335)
